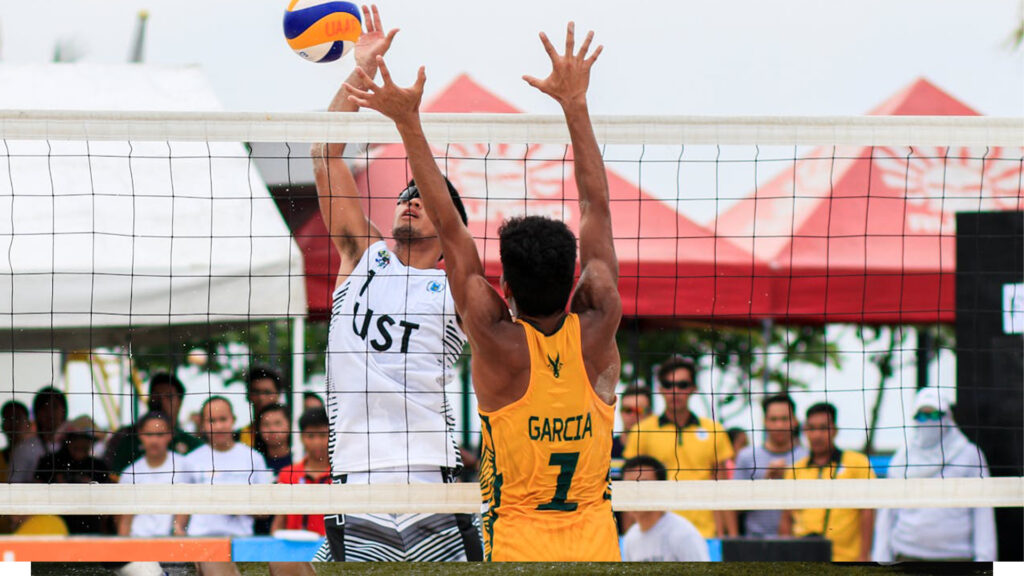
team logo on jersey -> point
(555, 364)
(383, 258)
(435, 286)
(702, 434)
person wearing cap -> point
(166, 393)
(690, 447)
(936, 448)
(74, 463)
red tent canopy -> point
(868, 234)
(669, 265)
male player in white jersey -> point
(392, 344)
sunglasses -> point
(408, 194)
(680, 384)
(923, 417)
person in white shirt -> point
(936, 449)
(158, 465)
(659, 536)
(224, 461)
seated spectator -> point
(659, 536)
(315, 468)
(780, 451)
(937, 449)
(224, 461)
(310, 401)
(74, 464)
(166, 394)
(263, 387)
(24, 448)
(275, 432)
(158, 465)
(50, 409)
(850, 530)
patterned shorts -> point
(401, 538)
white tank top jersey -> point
(391, 349)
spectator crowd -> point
(45, 446)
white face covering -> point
(929, 434)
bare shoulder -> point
(501, 364)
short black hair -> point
(308, 395)
(47, 395)
(674, 363)
(649, 462)
(313, 417)
(257, 373)
(456, 199)
(11, 406)
(275, 407)
(538, 260)
(778, 399)
(156, 415)
(202, 409)
(636, 390)
(822, 408)
(734, 433)
(165, 378)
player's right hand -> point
(373, 41)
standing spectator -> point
(24, 448)
(315, 468)
(694, 448)
(850, 530)
(937, 449)
(659, 536)
(166, 394)
(158, 465)
(73, 463)
(634, 406)
(275, 433)
(781, 451)
(50, 408)
(224, 461)
(263, 387)
(311, 401)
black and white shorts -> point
(401, 537)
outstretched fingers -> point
(377, 25)
(570, 38)
(366, 77)
(593, 57)
(548, 47)
(385, 74)
(367, 21)
(586, 46)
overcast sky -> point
(680, 57)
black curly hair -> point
(538, 260)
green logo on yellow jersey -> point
(555, 364)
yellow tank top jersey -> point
(545, 461)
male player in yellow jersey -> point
(544, 377)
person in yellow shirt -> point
(544, 376)
(850, 530)
(691, 447)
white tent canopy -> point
(101, 236)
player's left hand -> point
(570, 72)
(397, 103)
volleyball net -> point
(813, 257)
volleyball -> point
(322, 30)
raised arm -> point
(349, 228)
(568, 84)
(477, 302)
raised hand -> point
(397, 103)
(570, 72)
(373, 42)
